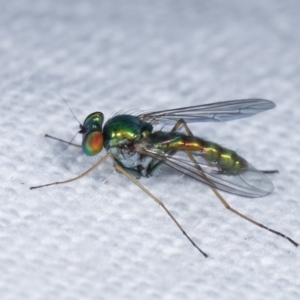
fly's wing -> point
(214, 112)
(249, 183)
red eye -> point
(92, 143)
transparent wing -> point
(214, 112)
(250, 183)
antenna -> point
(63, 141)
(69, 107)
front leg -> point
(103, 159)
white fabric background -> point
(108, 240)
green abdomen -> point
(224, 160)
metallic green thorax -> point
(124, 129)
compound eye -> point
(92, 143)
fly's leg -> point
(121, 170)
(224, 202)
(171, 153)
(125, 172)
(182, 123)
(104, 158)
(269, 171)
(132, 172)
(63, 141)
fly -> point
(139, 151)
